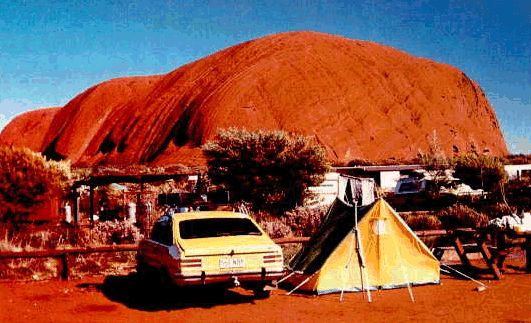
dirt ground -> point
(122, 299)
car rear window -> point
(217, 227)
(409, 187)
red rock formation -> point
(28, 129)
(359, 99)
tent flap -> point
(338, 223)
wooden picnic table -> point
(493, 244)
(477, 242)
(508, 239)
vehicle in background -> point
(215, 248)
(446, 185)
(457, 188)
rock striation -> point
(360, 99)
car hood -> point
(228, 245)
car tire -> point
(148, 276)
(143, 271)
(260, 293)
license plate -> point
(231, 262)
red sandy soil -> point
(121, 299)
(358, 98)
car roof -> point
(208, 215)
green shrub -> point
(27, 180)
(496, 210)
(270, 169)
(480, 171)
(435, 162)
(111, 232)
(422, 221)
(305, 221)
(276, 229)
(299, 222)
(462, 216)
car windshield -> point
(217, 227)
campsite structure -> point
(363, 248)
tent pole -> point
(347, 266)
(302, 283)
(359, 252)
(409, 289)
(286, 277)
(299, 285)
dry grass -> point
(102, 264)
(49, 238)
(28, 268)
(29, 240)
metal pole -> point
(359, 251)
(303, 282)
(347, 266)
(286, 277)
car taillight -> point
(272, 258)
(190, 263)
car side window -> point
(162, 231)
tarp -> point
(356, 190)
(393, 255)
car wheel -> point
(163, 279)
(143, 271)
(260, 293)
(146, 277)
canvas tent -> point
(393, 254)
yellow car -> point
(211, 248)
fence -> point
(64, 255)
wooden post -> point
(76, 204)
(91, 203)
(140, 210)
(501, 246)
(528, 252)
(63, 266)
(139, 194)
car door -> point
(160, 242)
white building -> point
(518, 171)
(326, 192)
(386, 176)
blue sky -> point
(52, 50)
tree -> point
(435, 162)
(270, 169)
(480, 171)
(28, 180)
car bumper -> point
(227, 278)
